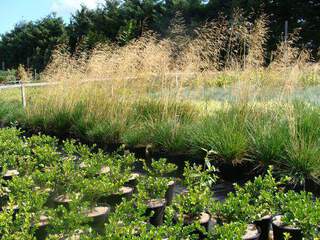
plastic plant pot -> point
(252, 233)
(265, 225)
(8, 175)
(239, 172)
(63, 200)
(99, 216)
(104, 170)
(156, 208)
(139, 150)
(4, 199)
(204, 218)
(116, 198)
(51, 202)
(205, 221)
(133, 180)
(279, 229)
(170, 192)
(41, 232)
(15, 211)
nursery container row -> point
(52, 190)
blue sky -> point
(14, 11)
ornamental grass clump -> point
(224, 133)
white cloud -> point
(69, 6)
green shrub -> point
(234, 231)
(299, 210)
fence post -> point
(3, 66)
(28, 63)
(23, 95)
(205, 97)
(286, 27)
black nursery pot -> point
(133, 181)
(156, 208)
(116, 198)
(264, 224)
(230, 172)
(205, 221)
(253, 233)
(138, 150)
(279, 230)
(41, 232)
(10, 174)
(4, 199)
(170, 192)
(99, 216)
(63, 200)
(15, 211)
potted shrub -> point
(16, 225)
(65, 222)
(98, 217)
(102, 191)
(9, 168)
(153, 190)
(133, 179)
(28, 200)
(162, 169)
(281, 230)
(88, 193)
(94, 165)
(43, 154)
(9, 174)
(236, 231)
(129, 220)
(42, 225)
(116, 197)
(4, 195)
(191, 207)
(253, 202)
(154, 187)
(111, 186)
(67, 181)
(299, 216)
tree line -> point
(119, 21)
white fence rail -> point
(22, 87)
(19, 85)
